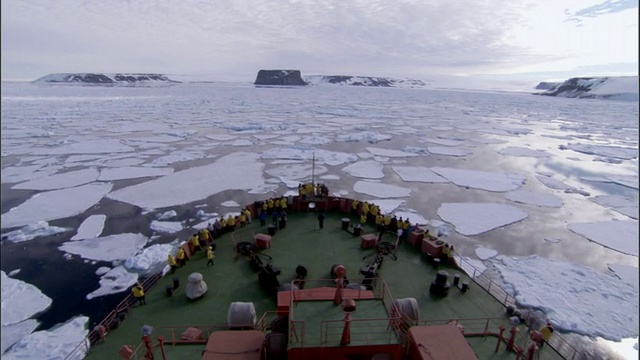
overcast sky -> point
(231, 40)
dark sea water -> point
(41, 116)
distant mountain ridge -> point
(614, 88)
(100, 78)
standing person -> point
(205, 237)
(274, 218)
(321, 218)
(217, 228)
(172, 263)
(247, 214)
(181, 257)
(138, 293)
(263, 217)
(210, 256)
(546, 332)
(195, 243)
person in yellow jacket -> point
(223, 225)
(283, 203)
(205, 236)
(172, 263)
(247, 214)
(138, 293)
(210, 255)
(195, 243)
(354, 206)
(387, 221)
(546, 332)
(231, 223)
(181, 257)
(243, 218)
(446, 250)
(363, 218)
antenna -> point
(313, 169)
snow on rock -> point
(619, 235)
(114, 281)
(56, 343)
(107, 248)
(230, 203)
(483, 180)
(477, 218)
(20, 300)
(56, 204)
(91, 227)
(32, 231)
(575, 298)
(534, 198)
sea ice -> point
(20, 300)
(55, 204)
(169, 227)
(380, 190)
(13, 333)
(32, 231)
(91, 227)
(241, 171)
(520, 151)
(534, 198)
(419, 174)
(574, 297)
(365, 169)
(619, 235)
(131, 172)
(476, 218)
(60, 181)
(449, 151)
(485, 253)
(107, 248)
(483, 180)
(626, 273)
(114, 281)
(56, 343)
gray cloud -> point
(360, 37)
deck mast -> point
(313, 169)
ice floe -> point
(619, 235)
(106, 248)
(476, 218)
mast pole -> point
(313, 169)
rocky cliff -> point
(279, 78)
(99, 78)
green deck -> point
(300, 243)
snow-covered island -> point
(99, 78)
(614, 88)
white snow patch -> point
(484, 180)
(380, 190)
(32, 231)
(619, 235)
(107, 248)
(91, 227)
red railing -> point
(96, 335)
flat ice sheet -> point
(477, 218)
(621, 235)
